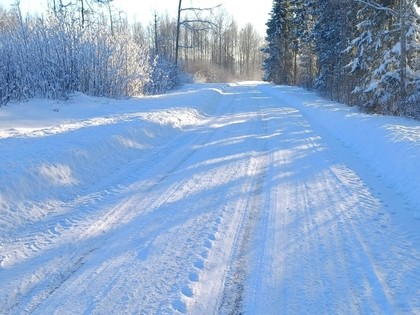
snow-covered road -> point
(214, 199)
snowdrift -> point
(52, 151)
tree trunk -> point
(295, 67)
(178, 27)
(403, 54)
(156, 35)
(82, 10)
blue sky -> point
(243, 12)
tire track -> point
(90, 218)
(234, 287)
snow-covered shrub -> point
(163, 75)
(15, 79)
(55, 56)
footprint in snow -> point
(193, 277)
(208, 244)
(205, 254)
(199, 264)
(187, 291)
(179, 306)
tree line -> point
(89, 46)
(364, 53)
(208, 43)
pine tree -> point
(278, 65)
(384, 52)
(331, 38)
(305, 59)
(365, 53)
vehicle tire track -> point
(234, 287)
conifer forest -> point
(361, 52)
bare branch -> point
(201, 9)
(206, 25)
(195, 29)
(184, 22)
(191, 24)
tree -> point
(54, 56)
(330, 34)
(195, 23)
(306, 53)
(249, 52)
(278, 65)
(225, 42)
(384, 56)
(364, 53)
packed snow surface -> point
(214, 199)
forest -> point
(364, 53)
(90, 47)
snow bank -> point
(52, 151)
(388, 146)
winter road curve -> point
(258, 208)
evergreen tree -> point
(278, 65)
(384, 57)
(331, 34)
(365, 53)
(305, 59)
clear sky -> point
(256, 12)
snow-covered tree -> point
(278, 65)
(304, 58)
(385, 51)
(57, 55)
(334, 24)
(163, 75)
(364, 53)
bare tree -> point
(196, 23)
(249, 52)
(108, 6)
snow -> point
(372, 87)
(215, 198)
(397, 48)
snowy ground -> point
(214, 199)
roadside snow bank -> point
(51, 151)
(389, 146)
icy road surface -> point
(214, 199)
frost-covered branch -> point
(55, 56)
(377, 6)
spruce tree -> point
(331, 38)
(385, 50)
(278, 65)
